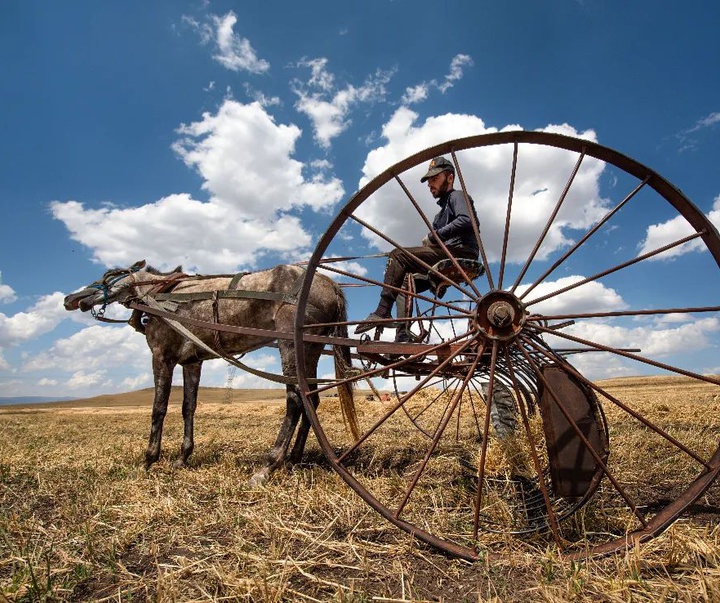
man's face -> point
(439, 184)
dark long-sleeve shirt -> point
(453, 224)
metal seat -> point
(425, 282)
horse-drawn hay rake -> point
(489, 428)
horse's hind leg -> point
(311, 362)
(191, 383)
(278, 453)
(162, 373)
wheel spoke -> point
(636, 260)
(506, 232)
(533, 451)
(426, 266)
(550, 221)
(659, 311)
(473, 220)
(646, 422)
(585, 238)
(578, 432)
(401, 401)
(631, 356)
(483, 448)
(438, 434)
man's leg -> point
(400, 263)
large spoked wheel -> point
(503, 412)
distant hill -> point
(144, 397)
(32, 400)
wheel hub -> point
(500, 316)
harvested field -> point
(81, 520)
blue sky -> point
(226, 135)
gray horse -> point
(171, 343)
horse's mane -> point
(153, 270)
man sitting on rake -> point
(452, 225)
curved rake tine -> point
(442, 246)
(506, 234)
(550, 221)
(647, 423)
(533, 451)
(584, 440)
(636, 260)
(631, 356)
(587, 235)
(438, 434)
(435, 399)
(693, 310)
(401, 400)
(427, 267)
(483, 448)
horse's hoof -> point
(180, 464)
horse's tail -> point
(343, 370)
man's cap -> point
(437, 165)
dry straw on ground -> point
(80, 520)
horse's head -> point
(115, 285)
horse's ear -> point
(138, 266)
(178, 268)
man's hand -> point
(428, 240)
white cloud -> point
(40, 318)
(418, 93)
(664, 233)
(95, 350)
(234, 51)
(7, 294)
(328, 107)
(456, 71)
(245, 159)
(487, 172)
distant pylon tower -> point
(227, 398)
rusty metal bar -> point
(587, 235)
(539, 317)
(550, 221)
(400, 402)
(598, 346)
(598, 275)
(506, 234)
(584, 440)
(533, 452)
(483, 448)
(438, 434)
(427, 267)
(473, 221)
(647, 423)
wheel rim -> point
(454, 478)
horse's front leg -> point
(278, 453)
(162, 374)
(191, 383)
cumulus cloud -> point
(486, 171)
(94, 350)
(40, 318)
(418, 93)
(328, 106)
(233, 51)
(7, 294)
(664, 233)
(246, 161)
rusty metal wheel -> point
(501, 419)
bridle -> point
(109, 279)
